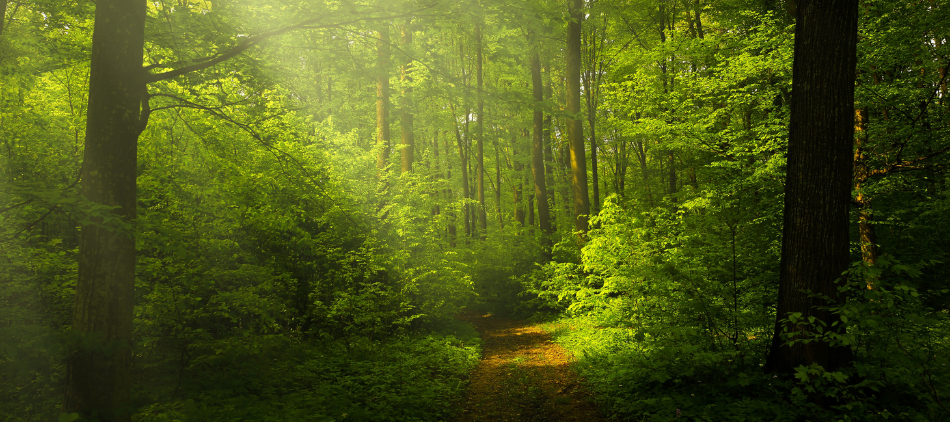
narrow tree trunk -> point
(538, 171)
(501, 222)
(815, 246)
(382, 101)
(575, 128)
(464, 165)
(448, 191)
(520, 209)
(867, 235)
(480, 134)
(405, 121)
(98, 374)
(548, 153)
(3, 14)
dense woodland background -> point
(323, 185)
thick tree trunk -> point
(382, 100)
(405, 121)
(480, 134)
(98, 375)
(537, 150)
(575, 126)
(815, 247)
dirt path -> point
(523, 376)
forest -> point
(338, 210)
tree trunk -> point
(98, 375)
(3, 14)
(867, 235)
(405, 121)
(520, 208)
(480, 134)
(815, 247)
(382, 100)
(463, 158)
(548, 154)
(501, 222)
(575, 128)
(538, 148)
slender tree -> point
(3, 14)
(382, 99)
(815, 247)
(537, 151)
(480, 132)
(575, 125)
(406, 119)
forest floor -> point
(523, 376)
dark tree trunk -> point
(537, 150)
(815, 248)
(98, 375)
(575, 125)
(405, 119)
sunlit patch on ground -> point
(523, 376)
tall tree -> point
(3, 14)
(382, 99)
(480, 132)
(405, 121)
(815, 247)
(98, 378)
(537, 150)
(575, 125)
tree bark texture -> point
(818, 183)
(575, 125)
(405, 120)
(98, 375)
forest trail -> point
(523, 376)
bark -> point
(98, 375)
(480, 134)
(815, 247)
(405, 119)
(538, 171)
(382, 100)
(575, 128)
